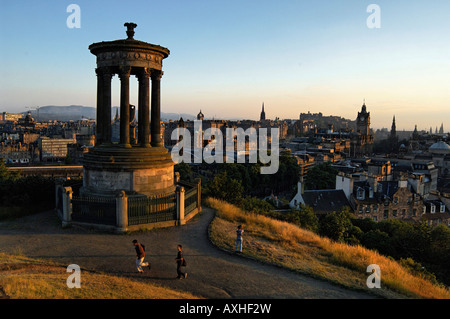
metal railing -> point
(94, 210)
(146, 210)
(123, 210)
(190, 200)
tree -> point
(5, 173)
(322, 176)
(307, 218)
(256, 205)
(378, 240)
(338, 227)
(185, 171)
(224, 188)
(68, 159)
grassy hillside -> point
(289, 246)
(25, 278)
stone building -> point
(322, 202)
(436, 212)
(53, 149)
(387, 199)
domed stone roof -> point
(440, 147)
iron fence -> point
(190, 200)
(145, 210)
(95, 210)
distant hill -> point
(79, 112)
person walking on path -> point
(140, 255)
(180, 263)
(239, 238)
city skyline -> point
(228, 58)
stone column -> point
(124, 74)
(144, 108)
(180, 205)
(99, 127)
(199, 194)
(122, 212)
(156, 108)
(67, 206)
(106, 103)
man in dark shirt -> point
(179, 261)
(140, 253)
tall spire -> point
(393, 128)
(263, 114)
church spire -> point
(393, 128)
(263, 114)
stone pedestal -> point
(135, 170)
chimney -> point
(344, 182)
(403, 181)
(301, 185)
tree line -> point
(24, 195)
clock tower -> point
(362, 139)
(363, 121)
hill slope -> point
(289, 246)
(26, 278)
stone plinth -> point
(136, 170)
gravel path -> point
(212, 273)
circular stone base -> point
(108, 170)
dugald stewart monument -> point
(130, 184)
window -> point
(442, 210)
(386, 214)
(433, 208)
(394, 213)
(361, 209)
(375, 218)
(360, 194)
(395, 200)
(403, 212)
(375, 208)
(414, 213)
(368, 209)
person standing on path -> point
(239, 238)
(140, 255)
(180, 263)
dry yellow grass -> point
(25, 278)
(289, 246)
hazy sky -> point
(228, 57)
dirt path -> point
(212, 273)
